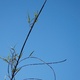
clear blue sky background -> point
(55, 37)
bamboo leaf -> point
(4, 59)
(35, 15)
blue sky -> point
(55, 37)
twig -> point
(57, 62)
(13, 74)
(41, 64)
(32, 79)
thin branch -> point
(46, 63)
(40, 64)
(43, 63)
(27, 39)
(32, 27)
(37, 64)
(32, 79)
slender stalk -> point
(41, 64)
(13, 74)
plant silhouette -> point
(14, 59)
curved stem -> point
(41, 63)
